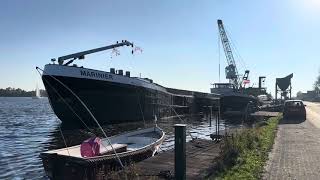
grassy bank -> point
(245, 154)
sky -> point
(179, 39)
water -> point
(29, 126)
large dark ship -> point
(234, 99)
(114, 96)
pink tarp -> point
(90, 147)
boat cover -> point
(90, 147)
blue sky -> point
(178, 38)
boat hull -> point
(235, 106)
(233, 103)
(64, 167)
(61, 165)
(109, 102)
(113, 98)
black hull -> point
(109, 102)
(114, 98)
(235, 105)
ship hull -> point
(110, 102)
(235, 104)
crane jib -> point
(80, 55)
(231, 69)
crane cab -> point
(231, 72)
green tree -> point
(299, 93)
(317, 84)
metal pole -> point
(290, 89)
(276, 92)
(219, 115)
(217, 123)
(180, 151)
(210, 115)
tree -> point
(12, 92)
(299, 93)
(317, 84)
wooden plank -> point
(200, 153)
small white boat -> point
(37, 95)
(67, 163)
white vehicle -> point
(263, 97)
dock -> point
(265, 114)
(200, 157)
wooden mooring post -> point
(180, 151)
(208, 110)
(210, 123)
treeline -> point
(13, 92)
(316, 84)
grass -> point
(245, 154)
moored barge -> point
(115, 96)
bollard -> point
(180, 151)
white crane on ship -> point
(231, 70)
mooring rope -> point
(144, 122)
(65, 143)
(83, 104)
(54, 89)
(182, 121)
(219, 55)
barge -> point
(115, 96)
(233, 102)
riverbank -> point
(13, 92)
(245, 154)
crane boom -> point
(80, 55)
(231, 69)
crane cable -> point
(219, 55)
(233, 43)
(182, 121)
(72, 110)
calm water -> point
(29, 126)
